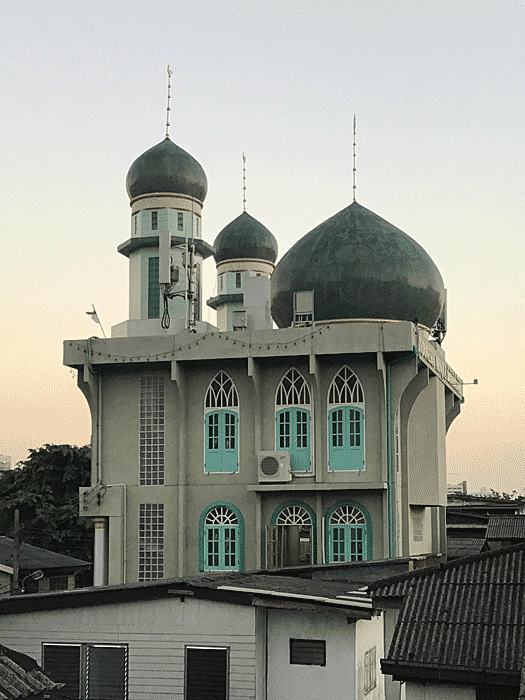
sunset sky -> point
(438, 90)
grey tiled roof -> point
(37, 558)
(506, 527)
(458, 547)
(21, 677)
(460, 619)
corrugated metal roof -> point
(464, 616)
(458, 547)
(506, 527)
(21, 676)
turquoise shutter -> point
(292, 433)
(346, 443)
(221, 442)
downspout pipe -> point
(390, 476)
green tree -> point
(44, 488)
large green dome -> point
(359, 266)
(245, 237)
(167, 168)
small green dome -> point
(245, 237)
(359, 266)
(167, 168)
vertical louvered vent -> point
(311, 652)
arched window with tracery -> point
(221, 440)
(221, 538)
(291, 537)
(292, 420)
(346, 447)
(348, 530)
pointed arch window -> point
(221, 439)
(346, 450)
(221, 538)
(293, 417)
(348, 534)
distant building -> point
(58, 571)
(244, 446)
(5, 462)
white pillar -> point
(100, 573)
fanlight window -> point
(222, 393)
(345, 388)
(347, 535)
(347, 515)
(293, 390)
(293, 515)
(222, 540)
(221, 515)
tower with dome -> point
(307, 427)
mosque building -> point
(244, 446)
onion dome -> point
(245, 237)
(167, 168)
(359, 266)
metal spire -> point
(170, 73)
(354, 168)
(243, 182)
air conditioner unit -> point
(274, 466)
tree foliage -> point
(44, 488)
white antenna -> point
(170, 73)
(354, 168)
(243, 182)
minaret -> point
(245, 255)
(167, 188)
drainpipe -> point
(390, 478)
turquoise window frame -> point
(292, 433)
(337, 533)
(346, 445)
(221, 540)
(221, 441)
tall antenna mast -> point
(170, 73)
(354, 168)
(243, 182)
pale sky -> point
(438, 90)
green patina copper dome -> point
(167, 168)
(359, 266)
(245, 237)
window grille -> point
(370, 675)
(238, 280)
(151, 541)
(311, 652)
(154, 220)
(153, 288)
(345, 388)
(180, 221)
(151, 438)
(293, 390)
(221, 393)
(88, 671)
